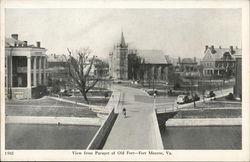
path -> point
(140, 129)
(52, 120)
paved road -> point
(165, 104)
(140, 129)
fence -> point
(166, 107)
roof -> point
(123, 44)
(153, 56)
(11, 41)
(171, 60)
(238, 52)
(188, 61)
(55, 58)
(220, 51)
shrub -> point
(230, 96)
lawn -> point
(217, 104)
(209, 113)
(46, 107)
(99, 101)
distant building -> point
(25, 68)
(238, 76)
(219, 61)
(155, 65)
(57, 71)
(187, 67)
(118, 60)
(124, 63)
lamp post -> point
(154, 99)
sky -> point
(179, 32)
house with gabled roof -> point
(219, 61)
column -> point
(159, 73)
(34, 72)
(165, 73)
(152, 71)
(28, 71)
(40, 70)
(44, 71)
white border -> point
(177, 155)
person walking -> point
(124, 112)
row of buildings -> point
(215, 61)
(28, 70)
(148, 65)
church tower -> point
(118, 60)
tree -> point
(79, 66)
(141, 71)
(134, 62)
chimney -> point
(38, 44)
(219, 47)
(194, 59)
(14, 36)
(25, 43)
(236, 47)
(206, 47)
(212, 49)
(232, 50)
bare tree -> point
(79, 66)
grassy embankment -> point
(213, 109)
(50, 107)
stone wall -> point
(101, 135)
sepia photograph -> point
(123, 81)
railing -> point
(166, 107)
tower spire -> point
(123, 43)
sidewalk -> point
(92, 107)
(204, 122)
(52, 120)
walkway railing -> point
(166, 107)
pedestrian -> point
(124, 112)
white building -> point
(25, 68)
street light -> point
(154, 99)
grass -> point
(46, 107)
(50, 111)
(92, 100)
(219, 104)
(210, 113)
